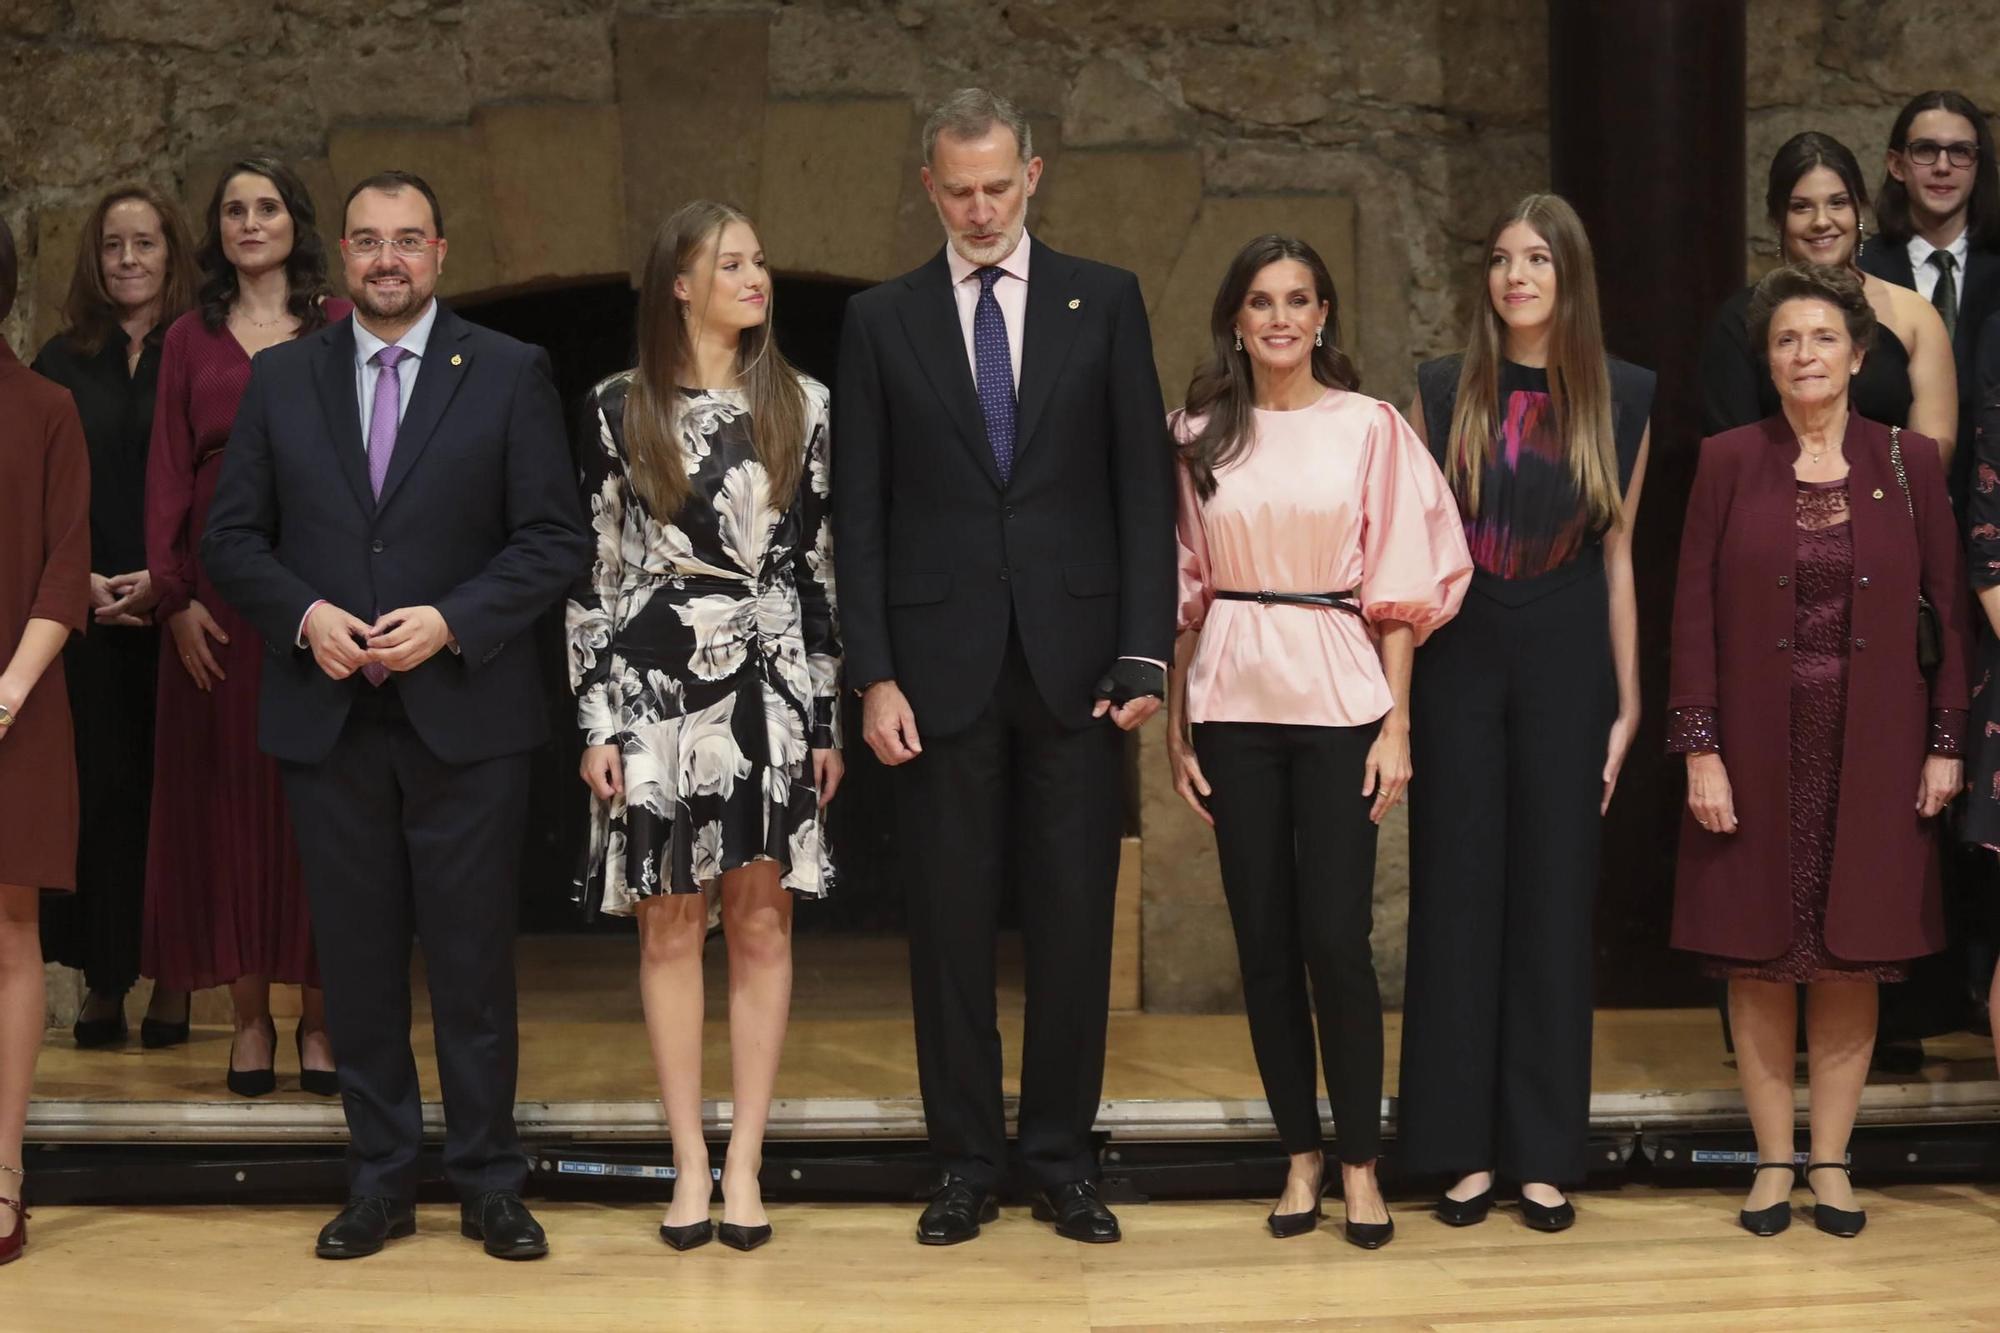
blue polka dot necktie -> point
(995, 371)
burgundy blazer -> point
(1733, 619)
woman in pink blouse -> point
(1319, 545)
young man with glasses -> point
(1938, 215)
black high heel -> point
(1770, 1221)
(1286, 1225)
(743, 1238)
(1835, 1221)
(252, 1082)
(690, 1236)
(157, 1033)
(319, 1082)
(96, 1033)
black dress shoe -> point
(1077, 1212)
(319, 1082)
(156, 1034)
(1840, 1222)
(689, 1237)
(1769, 1221)
(499, 1218)
(743, 1238)
(1463, 1212)
(94, 1033)
(1541, 1217)
(1368, 1235)
(1286, 1225)
(956, 1212)
(363, 1226)
(251, 1082)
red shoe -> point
(16, 1240)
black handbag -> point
(1930, 638)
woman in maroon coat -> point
(44, 597)
(1819, 749)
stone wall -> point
(559, 131)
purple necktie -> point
(382, 419)
(994, 370)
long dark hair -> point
(666, 361)
(1223, 391)
(1982, 208)
(89, 312)
(305, 267)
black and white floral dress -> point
(705, 649)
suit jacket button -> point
(1008, 512)
(1784, 579)
(1861, 643)
(1003, 575)
(375, 546)
(1784, 643)
(1863, 580)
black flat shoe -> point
(689, 1237)
(1770, 1221)
(1839, 1222)
(1078, 1213)
(503, 1222)
(251, 1082)
(1368, 1235)
(1463, 1212)
(743, 1238)
(156, 1034)
(1286, 1225)
(1541, 1217)
(319, 1082)
(96, 1033)
(363, 1226)
(955, 1213)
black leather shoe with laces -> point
(363, 1226)
(503, 1222)
(956, 1212)
(1077, 1212)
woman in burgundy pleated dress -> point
(225, 903)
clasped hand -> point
(400, 640)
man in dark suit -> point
(1938, 226)
(395, 510)
(1003, 519)
(1938, 233)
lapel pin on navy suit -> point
(457, 360)
(1075, 302)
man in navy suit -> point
(395, 510)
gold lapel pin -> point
(457, 360)
(1075, 302)
(1878, 492)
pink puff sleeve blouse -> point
(1337, 496)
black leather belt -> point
(1337, 601)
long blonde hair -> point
(1579, 380)
(666, 360)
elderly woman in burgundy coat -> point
(1819, 748)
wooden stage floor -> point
(583, 1044)
(1639, 1258)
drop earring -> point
(1239, 340)
(1319, 336)
(1861, 239)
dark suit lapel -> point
(1055, 311)
(445, 363)
(1979, 294)
(333, 374)
(1894, 265)
(930, 318)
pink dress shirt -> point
(1340, 495)
(1010, 291)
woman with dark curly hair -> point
(1819, 694)
(225, 904)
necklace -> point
(261, 323)
(1815, 454)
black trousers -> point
(1510, 713)
(1298, 867)
(397, 844)
(112, 674)
(1015, 790)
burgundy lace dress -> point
(1823, 585)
